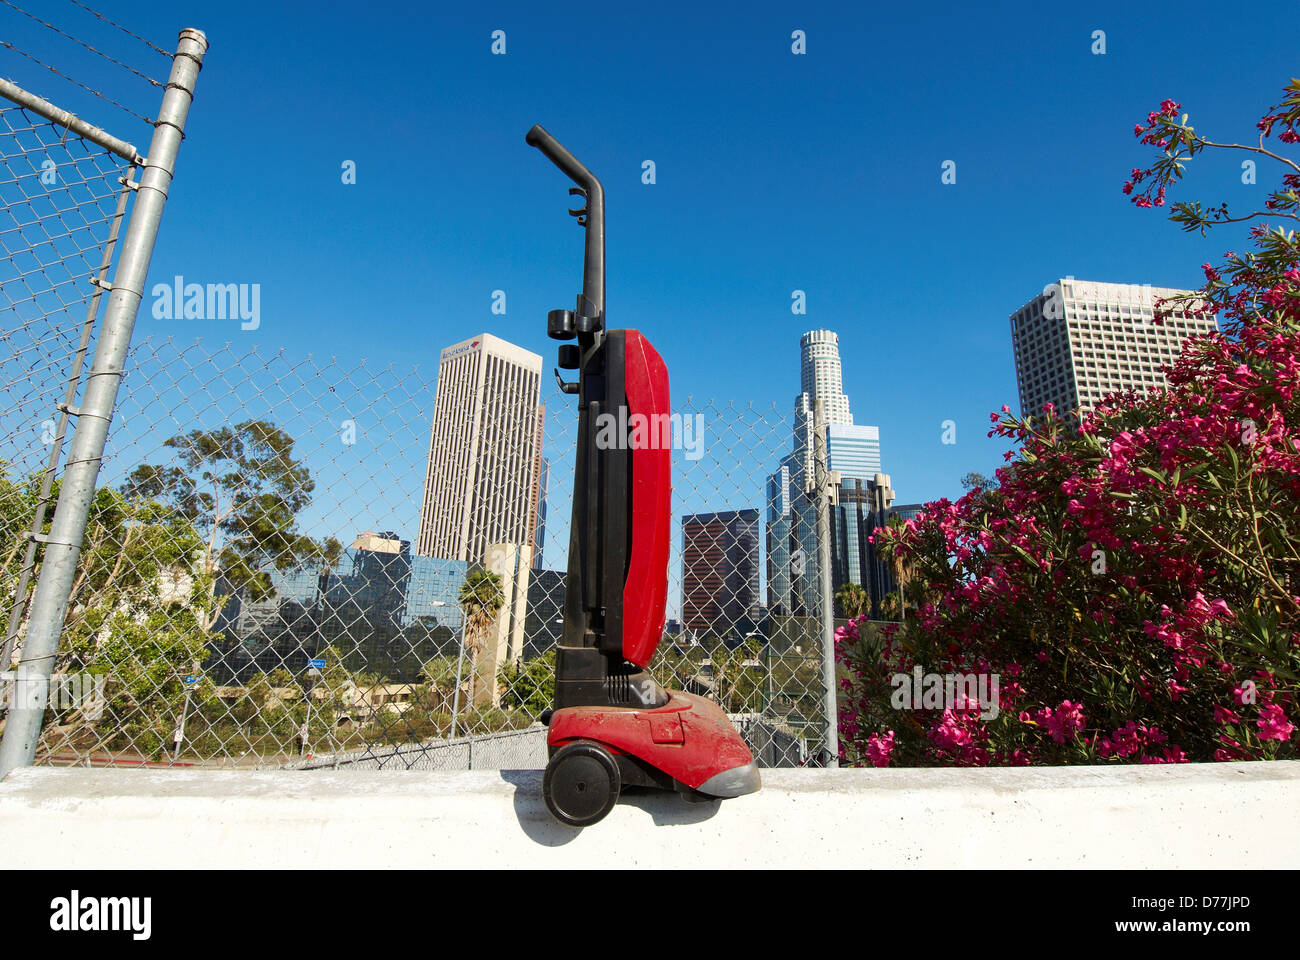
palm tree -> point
(904, 572)
(481, 599)
(853, 600)
(902, 577)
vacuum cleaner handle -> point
(558, 155)
(590, 314)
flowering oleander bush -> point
(1133, 579)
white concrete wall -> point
(1214, 815)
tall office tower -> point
(820, 374)
(481, 486)
(855, 506)
(852, 449)
(779, 517)
(1079, 340)
(820, 378)
(720, 572)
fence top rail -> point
(69, 121)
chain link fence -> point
(272, 571)
(69, 298)
(252, 592)
(64, 202)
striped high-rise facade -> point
(483, 482)
(720, 573)
(1080, 340)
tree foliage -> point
(853, 601)
(530, 686)
(1132, 582)
(137, 616)
(242, 489)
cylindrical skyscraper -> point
(820, 375)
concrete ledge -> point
(1212, 815)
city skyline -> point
(463, 363)
(853, 449)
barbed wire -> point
(64, 33)
(151, 46)
(107, 99)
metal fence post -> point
(19, 606)
(823, 495)
(185, 713)
(63, 544)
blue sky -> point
(775, 172)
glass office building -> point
(378, 609)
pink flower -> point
(1273, 724)
(1224, 715)
(950, 734)
(879, 748)
(1171, 755)
(1065, 722)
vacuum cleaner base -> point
(687, 745)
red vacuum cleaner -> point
(612, 725)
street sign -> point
(317, 664)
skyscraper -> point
(720, 572)
(852, 450)
(482, 484)
(820, 378)
(1079, 340)
(821, 375)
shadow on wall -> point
(538, 825)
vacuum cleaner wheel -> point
(581, 783)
